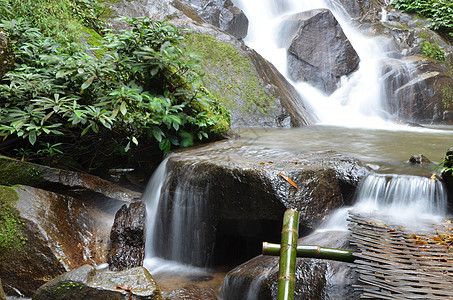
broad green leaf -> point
(87, 83)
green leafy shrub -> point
(143, 90)
(439, 12)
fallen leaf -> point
(288, 179)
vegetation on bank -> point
(439, 12)
(135, 89)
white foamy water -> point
(359, 98)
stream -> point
(352, 121)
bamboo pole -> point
(288, 252)
(313, 252)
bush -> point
(143, 90)
(439, 12)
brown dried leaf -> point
(288, 179)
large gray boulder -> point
(127, 237)
(44, 234)
(87, 283)
(220, 13)
(212, 194)
(319, 52)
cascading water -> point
(176, 209)
(360, 99)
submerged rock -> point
(128, 237)
(87, 283)
(419, 159)
(319, 52)
(44, 234)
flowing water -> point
(352, 120)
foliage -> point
(433, 51)
(64, 20)
(439, 12)
(143, 89)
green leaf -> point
(87, 83)
(123, 108)
(32, 138)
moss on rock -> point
(230, 75)
(11, 237)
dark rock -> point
(419, 159)
(63, 181)
(447, 176)
(242, 188)
(222, 14)
(421, 93)
(7, 56)
(46, 235)
(128, 237)
(315, 279)
(319, 52)
(86, 283)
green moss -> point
(15, 172)
(237, 78)
(94, 39)
(11, 237)
(433, 50)
(447, 97)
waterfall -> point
(403, 197)
(360, 99)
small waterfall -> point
(402, 196)
(175, 237)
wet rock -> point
(45, 234)
(192, 292)
(239, 187)
(128, 237)
(319, 52)
(7, 56)
(252, 88)
(447, 175)
(88, 283)
(419, 90)
(315, 279)
(222, 14)
(419, 159)
(62, 181)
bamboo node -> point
(288, 277)
(295, 231)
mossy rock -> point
(88, 283)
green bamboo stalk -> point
(313, 252)
(288, 252)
